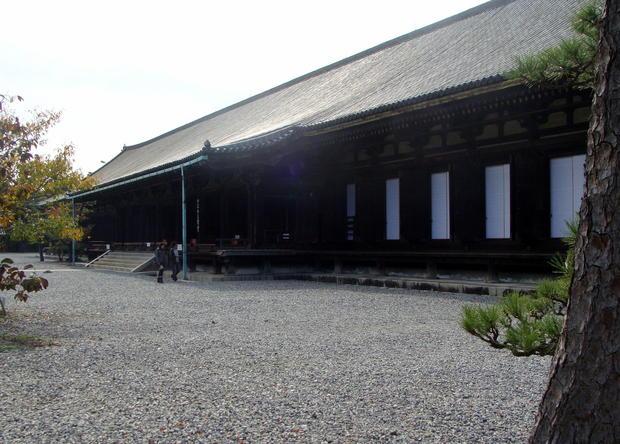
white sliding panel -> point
(392, 209)
(497, 199)
(440, 205)
(350, 211)
(561, 178)
(567, 183)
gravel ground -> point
(256, 362)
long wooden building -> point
(415, 153)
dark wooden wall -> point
(303, 191)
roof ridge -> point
(491, 4)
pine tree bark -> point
(582, 400)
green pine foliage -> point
(571, 62)
(527, 324)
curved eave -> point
(287, 133)
(141, 175)
(260, 141)
(241, 146)
(402, 105)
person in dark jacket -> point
(161, 260)
(175, 260)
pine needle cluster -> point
(527, 324)
(571, 62)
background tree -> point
(18, 140)
(582, 400)
(31, 196)
(51, 225)
(44, 217)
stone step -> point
(129, 255)
(125, 261)
(111, 268)
(119, 263)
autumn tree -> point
(32, 196)
(51, 225)
(46, 217)
(18, 140)
(20, 281)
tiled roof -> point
(464, 51)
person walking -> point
(175, 260)
(161, 260)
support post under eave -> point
(184, 223)
(73, 240)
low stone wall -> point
(444, 285)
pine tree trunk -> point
(582, 401)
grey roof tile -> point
(462, 51)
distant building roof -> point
(464, 51)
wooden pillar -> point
(251, 213)
(467, 200)
(431, 270)
(337, 265)
(259, 216)
(266, 266)
(492, 275)
(416, 205)
(157, 220)
(531, 215)
(370, 216)
(223, 213)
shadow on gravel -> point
(9, 342)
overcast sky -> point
(125, 71)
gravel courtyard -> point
(255, 362)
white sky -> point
(125, 71)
